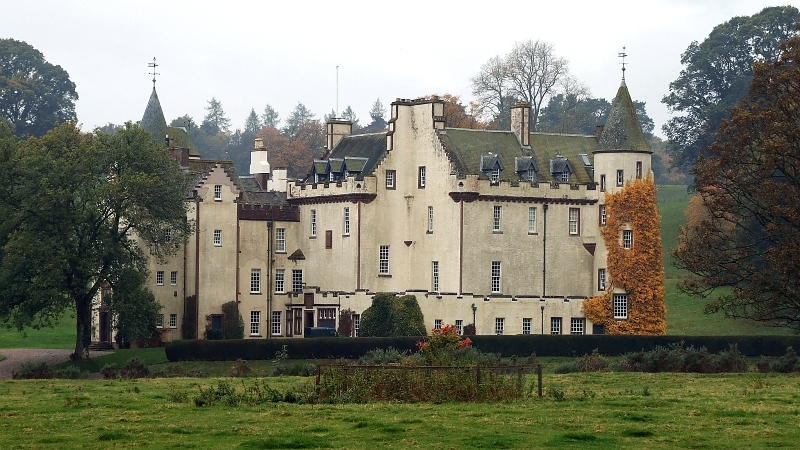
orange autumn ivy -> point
(639, 271)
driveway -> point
(15, 357)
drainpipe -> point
(358, 250)
(269, 279)
(544, 252)
(197, 269)
(461, 252)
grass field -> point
(60, 336)
(608, 410)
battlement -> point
(514, 190)
(352, 186)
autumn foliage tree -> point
(638, 270)
(747, 238)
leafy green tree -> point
(134, 307)
(392, 316)
(77, 210)
(233, 325)
(215, 120)
(378, 115)
(744, 233)
(349, 114)
(35, 95)
(270, 117)
(716, 76)
(252, 124)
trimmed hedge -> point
(519, 345)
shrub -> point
(134, 368)
(383, 356)
(109, 371)
(214, 334)
(592, 363)
(785, 364)
(233, 325)
(33, 371)
(70, 373)
(676, 358)
(258, 393)
(240, 369)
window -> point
(346, 224)
(531, 220)
(280, 240)
(173, 320)
(620, 178)
(356, 324)
(627, 238)
(313, 222)
(217, 238)
(255, 281)
(576, 325)
(168, 236)
(430, 219)
(421, 177)
(383, 260)
(280, 283)
(327, 313)
(276, 323)
(526, 325)
(390, 176)
(173, 278)
(297, 280)
(437, 324)
(497, 218)
(555, 325)
(601, 279)
(160, 321)
(495, 175)
(160, 278)
(574, 221)
(530, 176)
(496, 277)
(638, 169)
(217, 192)
(499, 325)
(620, 306)
(255, 323)
(602, 215)
(435, 276)
(330, 176)
(328, 238)
(564, 178)
(460, 326)
(602, 183)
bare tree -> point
(491, 87)
(534, 71)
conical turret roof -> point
(622, 130)
(153, 119)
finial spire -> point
(623, 55)
(153, 65)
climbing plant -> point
(638, 270)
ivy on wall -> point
(639, 270)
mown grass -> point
(685, 314)
(598, 410)
(149, 356)
(62, 335)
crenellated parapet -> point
(353, 189)
(472, 188)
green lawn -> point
(61, 336)
(599, 411)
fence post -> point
(539, 376)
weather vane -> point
(623, 55)
(153, 65)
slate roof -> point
(153, 121)
(253, 194)
(546, 146)
(370, 147)
(622, 130)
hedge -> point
(519, 345)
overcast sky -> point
(254, 53)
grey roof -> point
(622, 130)
(369, 148)
(490, 161)
(559, 164)
(153, 119)
(355, 163)
(467, 148)
(525, 163)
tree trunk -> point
(83, 311)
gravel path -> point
(15, 357)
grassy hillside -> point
(685, 314)
(61, 336)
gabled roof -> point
(355, 163)
(253, 194)
(524, 164)
(335, 164)
(370, 148)
(559, 164)
(490, 161)
(622, 130)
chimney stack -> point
(259, 166)
(521, 122)
(337, 129)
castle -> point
(499, 228)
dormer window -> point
(491, 167)
(561, 169)
(330, 176)
(530, 176)
(495, 175)
(564, 178)
(526, 168)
